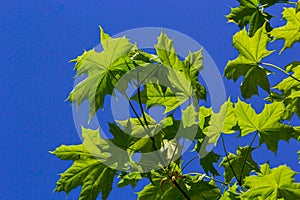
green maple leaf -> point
(222, 122)
(207, 163)
(250, 12)
(278, 183)
(290, 33)
(103, 70)
(267, 123)
(87, 169)
(241, 163)
(252, 50)
(91, 174)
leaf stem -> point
(276, 67)
(231, 167)
(189, 162)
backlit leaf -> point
(290, 33)
(252, 50)
(277, 184)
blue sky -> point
(38, 38)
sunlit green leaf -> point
(103, 69)
(277, 184)
(290, 33)
(252, 50)
(221, 122)
(267, 123)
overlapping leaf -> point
(252, 50)
(290, 88)
(267, 123)
(239, 164)
(290, 33)
(250, 12)
(278, 183)
(221, 122)
(103, 70)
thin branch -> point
(276, 67)
(189, 162)
(225, 151)
(244, 164)
(153, 141)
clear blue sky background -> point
(38, 38)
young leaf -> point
(103, 69)
(278, 184)
(290, 33)
(249, 12)
(242, 160)
(267, 123)
(252, 50)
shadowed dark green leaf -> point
(249, 12)
(207, 163)
(236, 161)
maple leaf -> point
(87, 169)
(103, 70)
(239, 164)
(250, 12)
(277, 183)
(290, 32)
(252, 50)
(267, 123)
(91, 174)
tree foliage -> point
(96, 163)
